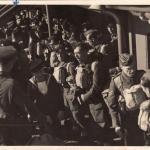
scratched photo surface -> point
(74, 75)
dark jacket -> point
(15, 105)
(52, 101)
(13, 99)
(93, 96)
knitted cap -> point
(125, 59)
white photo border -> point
(75, 2)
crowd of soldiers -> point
(69, 85)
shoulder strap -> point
(32, 80)
(119, 84)
(68, 66)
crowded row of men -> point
(72, 85)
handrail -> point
(129, 8)
(3, 8)
(12, 7)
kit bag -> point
(83, 77)
(60, 73)
(144, 116)
(133, 96)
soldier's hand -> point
(119, 132)
(77, 92)
(105, 49)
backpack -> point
(60, 73)
(144, 116)
(133, 96)
(83, 76)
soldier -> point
(128, 77)
(113, 34)
(145, 83)
(15, 104)
(47, 95)
(90, 79)
(75, 111)
(60, 70)
(64, 69)
(21, 71)
(65, 64)
(103, 52)
(94, 43)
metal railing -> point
(6, 9)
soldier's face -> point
(129, 70)
(61, 56)
(80, 55)
(18, 21)
(91, 40)
(111, 30)
(53, 59)
(65, 35)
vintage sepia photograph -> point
(74, 75)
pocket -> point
(129, 99)
(98, 106)
(97, 113)
(42, 86)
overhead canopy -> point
(139, 8)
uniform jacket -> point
(93, 96)
(51, 101)
(114, 93)
(14, 102)
(15, 106)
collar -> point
(82, 65)
(126, 79)
(97, 46)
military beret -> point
(7, 52)
(90, 32)
(125, 59)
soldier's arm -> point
(71, 69)
(99, 80)
(113, 103)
